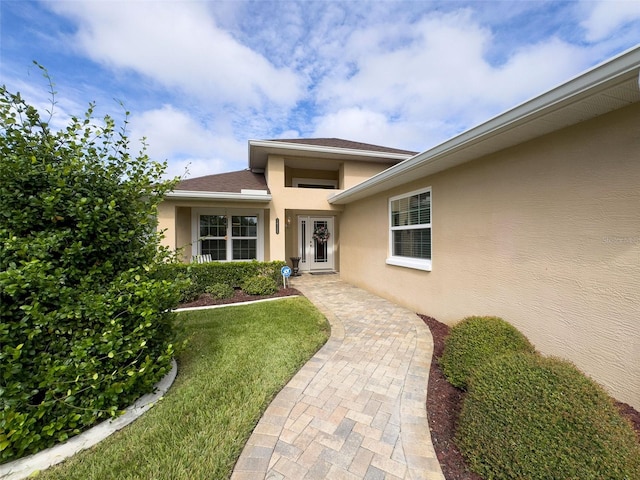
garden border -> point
(26, 466)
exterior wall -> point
(545, 235)
(358, 172)
(289, 201)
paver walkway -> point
(356, 410)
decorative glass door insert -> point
(315, 243)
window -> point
(227, 237)
(315, 183)
(213, 236)
(244, 237)
(410, 230)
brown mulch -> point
(443, 406)
(443, 400)
(239, 296)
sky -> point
(202, 78)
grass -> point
(236, 360)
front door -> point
(315, 243)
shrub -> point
(260, 286)
(475, 340)
(85, 327)
(220, 291)
(202, 275)
(527, 416)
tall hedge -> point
(85, 325)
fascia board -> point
(569, 93)
(229, 196)
(323, 150)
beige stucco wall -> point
(545, 235)
(358, 172)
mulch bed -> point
(443, 407)
(239, 296)
(443, 399)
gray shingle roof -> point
(340, 143)
(232, 182)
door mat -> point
(322, 273)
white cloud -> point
(178, 45)
(434, 73)
(607, 16)
(174, 134)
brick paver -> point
(356, 410)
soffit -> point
(259, 151)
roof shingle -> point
(340, 143)
(231, 182)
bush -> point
(220, 291)
(203, 275)
(260, 286)
(85, 323)
(526, 416)
(475, 340)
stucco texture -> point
(545, 235)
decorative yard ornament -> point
(321, 234)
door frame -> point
(306, 244)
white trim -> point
(245, 196)
(407, 262)
(314, 181)
(324, 149)
(228, 212)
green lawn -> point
(236, 360)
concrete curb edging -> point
(23, 467)
(237, 304)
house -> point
(272, 210)
(533, 216)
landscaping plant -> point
(260, 285)
(85, 325)
(534, 417)
(219, 291)
(476, 340)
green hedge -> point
(85, 327)
(205, 275)
(530, 417)
(475, 340)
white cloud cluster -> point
(178, 45)
(607, 16)
(402, 74)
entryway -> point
(316, 243)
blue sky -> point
(201, 78)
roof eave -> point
(316, 149)
(226, 196)
(612, 72)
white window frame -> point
(409, 262)
(228, 212)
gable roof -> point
(239, 185)
(340, 143)
(329, 148)
(606, 87)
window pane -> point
(244, 249)
(216, 248)
(414, 243)
(213, 226)
(244, 226)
